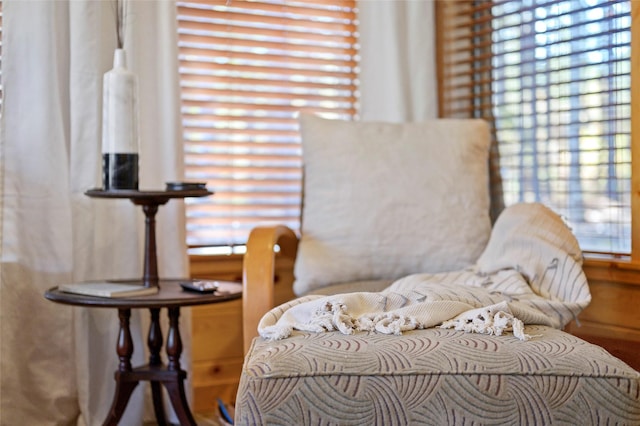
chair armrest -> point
(258, 270)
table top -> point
(144, 194)
(171, 294)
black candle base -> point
(119, 171)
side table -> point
(172, 297)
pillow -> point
(384, 200)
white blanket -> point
(529, 273)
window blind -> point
(553, 77)
(247, 69)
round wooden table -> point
(172, 297)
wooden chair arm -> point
(258, 270)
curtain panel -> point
(397, 60)
(58, 361)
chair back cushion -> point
(384, 200)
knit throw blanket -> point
(530, 273)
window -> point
(247, 68)
(553, 77)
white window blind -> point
(553, 76)
(247, 69)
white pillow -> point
(384, 200)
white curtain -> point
(58, 361)
(398, 61)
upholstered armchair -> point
(411, 307)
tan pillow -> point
(384, 200)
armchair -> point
(399, 213)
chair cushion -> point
(384, 200)
(435, 377)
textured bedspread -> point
(529, 273)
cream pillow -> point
(384, 200)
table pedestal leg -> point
(154, 342)
(176, 388)
(124, 388)
(150, 273)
